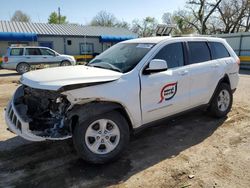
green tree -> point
(145, 27)
(184, 22)
(20, 16)
(54, 18)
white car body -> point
(141, 96)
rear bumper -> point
(11, 66)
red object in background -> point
(5, 59)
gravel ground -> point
(193, 150)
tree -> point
(54, 18)
(202, 11)
(145, 27)
(19, 16)
(234, 15)
(105, 19)
(167, 18)
(123, 24)
(183, 21)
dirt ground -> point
(193, 150)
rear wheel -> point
(101, 139)
(222, 101)
(23, 68)
(65, 63)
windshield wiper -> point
(105, 65)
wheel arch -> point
(224, 79)
(22, 62)
(65, 60)
(80, 113)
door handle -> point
(183, 73)
(44, 57)
(27, 57)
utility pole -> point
(59, 15)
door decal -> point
(168, 92)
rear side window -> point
(16, 51)
(32, 51)
(173, 54)
(218, 50)
(198, 52)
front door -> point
(166, 93)
(50, 57)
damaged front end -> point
(38, 115)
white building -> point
(72, 39)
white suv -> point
(124, 89)
(22, 58)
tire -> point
(222, 101)
(101, 139)
(23, 68)
(65, 63)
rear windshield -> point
(16, 52)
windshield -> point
(121, 57)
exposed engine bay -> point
(44, 110)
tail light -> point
(238, 61)
(5, 59)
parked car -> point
(126, 88)
(22, 58)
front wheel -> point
(222, 101)
(65, 63)
(102, 138)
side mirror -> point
(156, 65)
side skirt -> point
(157, 122)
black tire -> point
(23, 68)
(215, 108)
(65, 63)
(81, 145)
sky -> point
(81, 11)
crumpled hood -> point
(55, 78)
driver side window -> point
(173, 54)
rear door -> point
(204, 72)
(167, 92)
(220, 53)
